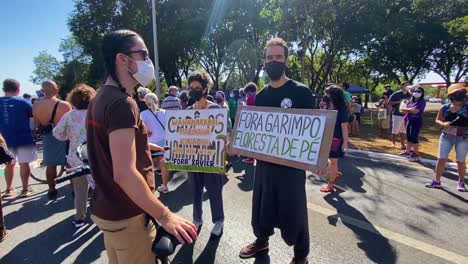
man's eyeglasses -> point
(143, 53)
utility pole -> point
(155, 43)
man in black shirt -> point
(279, 197)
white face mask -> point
(145, 72)
(417, 94)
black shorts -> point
(339, 154)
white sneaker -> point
(198, 225)
(163, 189)
(218, 228)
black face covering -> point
(196, 94)
(458, 96)
(219, 100)
(275, 70)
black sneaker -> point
(299, 261)
(78, 223)
(252, 249)
(52, 195)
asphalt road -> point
(382, 213)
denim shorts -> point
(446, 143)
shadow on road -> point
(37, 208)
(177, 198)
(56, 244)
(184, 255)
(262, 258)
(246, 180)
(207, 256)
(377, 247)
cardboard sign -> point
(298, 138)
(196, 140)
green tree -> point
(449, 57)
(323, 30)
(46, 67)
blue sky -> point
(30, 26)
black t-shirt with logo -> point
(292, 94)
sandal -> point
(9, 192)
(338, 176)
(327, 188)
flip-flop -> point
(327, 188)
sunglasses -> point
(143, 53)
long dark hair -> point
(236, 94)
(119, 41)
(337, 97)
(413, 99)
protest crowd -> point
(124, 126)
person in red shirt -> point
(250, 90)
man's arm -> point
(155, 147)
(123, 152)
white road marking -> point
(397, 237)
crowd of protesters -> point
(122, 130)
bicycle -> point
(40, 171)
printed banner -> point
(196, 140)
(299, 138)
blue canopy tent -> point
(354, 89)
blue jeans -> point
(446, 143)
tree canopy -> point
(364, 41)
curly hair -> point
(80, 96)
(250, 87)
(278, 42)
(337, 97)
(202, 77)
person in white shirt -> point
(154, 119)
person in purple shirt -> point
(414, 121)
(15, 126)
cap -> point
(456, 87)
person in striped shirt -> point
(171, 102)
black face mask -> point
(196, 94)
(275, 70)
(219, 100)
(458, 96)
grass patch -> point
(370, 140)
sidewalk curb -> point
(449, 165)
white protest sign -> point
(298, 138)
